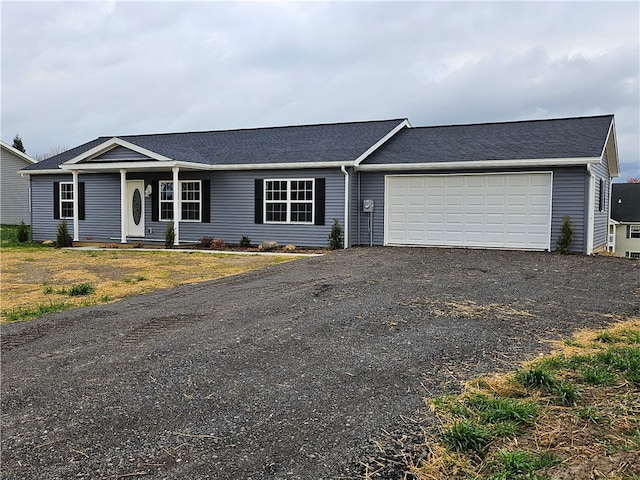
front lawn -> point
(37, 279)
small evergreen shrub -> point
(336, 235)
(169, 235)
(63, 239)
(245, 242)
(566, 236)
(23, 232)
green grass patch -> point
(81, 289)
(136, 279)
(29, 313)
(9, 238)
(519, 464)
(466, 436)
(500, 428)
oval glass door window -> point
(137, 206)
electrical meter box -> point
(367, 205)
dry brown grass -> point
(33, 277)
(598, 437)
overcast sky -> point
(74, 71)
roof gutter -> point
(480, 164)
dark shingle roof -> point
(535, 139)
(625, 202)
(296, 144)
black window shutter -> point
(56, 200)
(259, 199)
(601, 195)
(155, 201)
(80, 200)
(206, 201)
(319, 201)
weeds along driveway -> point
(286, 372)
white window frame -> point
(634, 231)
(179, 192)
(288, 201)
(182, 183)
(64, 200)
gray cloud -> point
(72, 71)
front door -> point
(135, 207)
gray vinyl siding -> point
(372, 188)
(232, 208)
(568, 198)
(15, 189)
(44, 226)
(102, 207)
(120, 154)
(601, 218)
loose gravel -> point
(290, 372)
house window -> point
(190, 203)
(632, 254)
(166, 201)
(190, 200)
(66, 200)
(601, 196)
(289, 201)
(633, 231)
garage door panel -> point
(510, 210)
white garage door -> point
(507, 210)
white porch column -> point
(176, 205)
(76, 212)
(123, 206)
(346, 207)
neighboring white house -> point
(624, 226)
(14, 189)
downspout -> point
(613, 246)
(590, 211)
(358, 209)
(346, 206)
(76, 213)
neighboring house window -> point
(632, 254)
(63, 199)
(66, 200)
(633, 231)
(190, 200)
(299, 201)
(288, 201)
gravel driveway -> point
(288, 372)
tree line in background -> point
(18, 145)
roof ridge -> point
(508, 122)
(252, 128)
